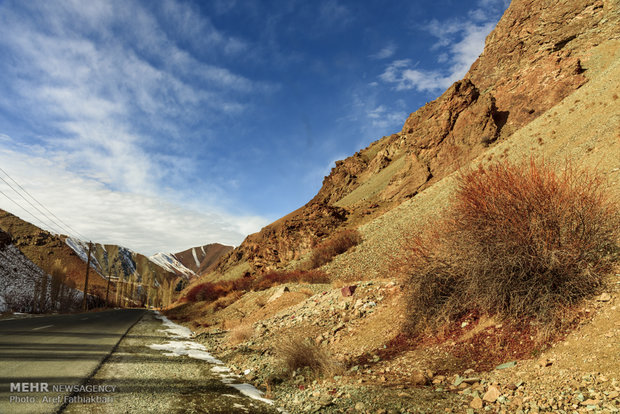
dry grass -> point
(260, 301)
(332, 247)
(307, 292)
(213, 291)
(519, 240)
(297, 352)
(225, 301)
(240, 334)
(230, 324)
(294, 276)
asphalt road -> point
(57, 350)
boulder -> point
(348, 290)
(279, 292)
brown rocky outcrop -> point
(286, 239)
(535, 57)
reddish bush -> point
(212, 291)
(294, 276)
(518, 240)
(332, 247)
(208, 291)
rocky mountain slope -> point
(546, 86)
(202, 259)
(533, 59)
(21, 279)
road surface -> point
(55, 353)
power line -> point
(23, 208)
(58, 227)
(45, 208)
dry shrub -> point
(230, 324)
(240, 334)
(519, 240)
(297, 352)
(339, 243)
(213, 291)
(225, 301)
(306, 291)
(294, 276)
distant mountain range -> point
(169, 271)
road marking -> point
(41, 327)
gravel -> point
(147, 381)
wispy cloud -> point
(110, 91)
(332, 13)
(383, 117)
(459, 43)
(386, 52)
(144, 223)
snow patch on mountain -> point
(195, 257)
(171, 264)
(81, 249)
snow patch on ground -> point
(172, 329)
(243, 407)
(198, 351)
(249, 391)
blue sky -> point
(168, 124)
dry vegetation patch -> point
(298, 352)
(332, 247)
(519, 240)
(214, 291)
(240, 333)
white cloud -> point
(383, 117)
(403, 74)
(108, 91)
(459, 43)
(143, 223)
(332, 13)
(93, 91)
(386, 52)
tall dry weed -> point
(297, 352)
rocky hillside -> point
(532, 60)
(21, 284)
(546, 87)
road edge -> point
(100, 364)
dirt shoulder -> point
(147, 380)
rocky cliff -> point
(533, 59)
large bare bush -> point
(519, 240)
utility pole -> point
(84, 304)
(107, 290)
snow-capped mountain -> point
(170, 263)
